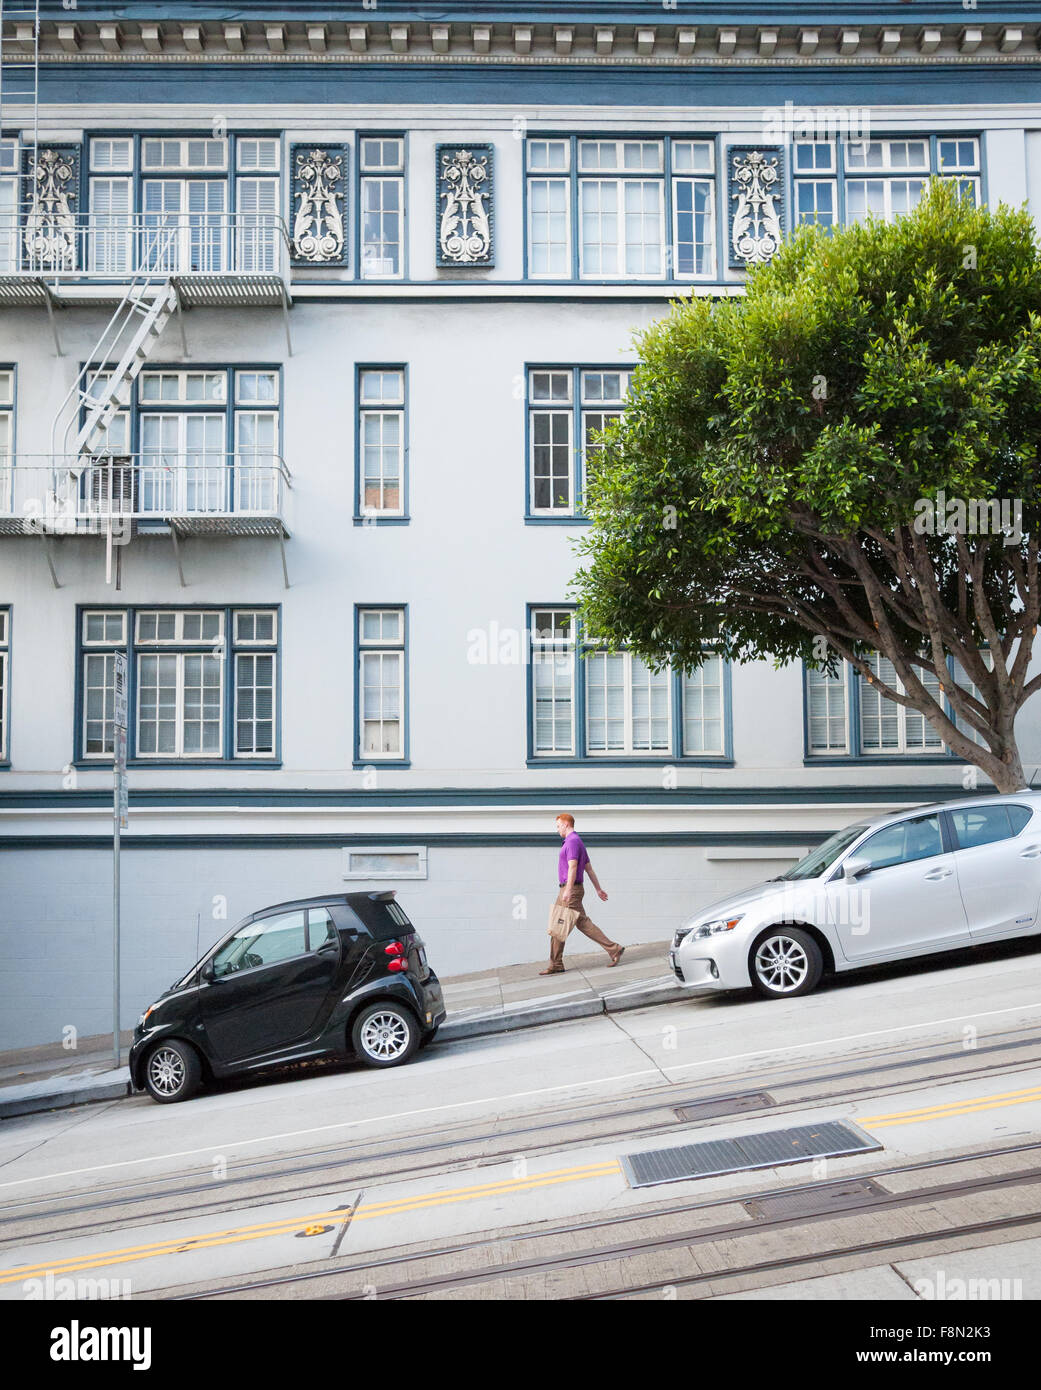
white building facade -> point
(309, 321)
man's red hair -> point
(568, 818)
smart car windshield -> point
(822, 858)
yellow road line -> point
(285, 1226)
(964, 1106)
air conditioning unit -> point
(110, 485)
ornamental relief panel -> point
(319, 175)
(756, 189)
(464, 205)
(50, 188)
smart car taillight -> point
(395, 949)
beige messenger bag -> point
(562, 921)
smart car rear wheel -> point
(785, 962)
(172, 1072)
(385, 1035)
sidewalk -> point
(491, 1001)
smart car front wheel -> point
(172, 1072)
(785, 962)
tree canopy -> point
(821, 468)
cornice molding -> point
(534, 45)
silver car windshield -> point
(818, 861)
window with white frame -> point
(621, 212)
(628, 705)
(381, 441)
(602, 400)
(553, 681)
(958, 159)
(182, 662)
(184, 202)
(381, 165)
(645, 208)
(9, 230)
(884, 178)
(257, 162)
(568, 408)
(5, 677)
(209, 439)
(827, 710)
(881, 727)
(551, 442)
(703, 717)
(588, 703)
(6, 436)
(885, 726)
(381, 684)
(693, 207)
(815, 182)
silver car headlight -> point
(720, 925)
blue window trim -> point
(666, 176)
(581, 757)
(856, 756)
(377, 520)
(228, 758)
(576, 517)
(5, 696)
(376, 134)
(360, 763)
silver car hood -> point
(790, 889)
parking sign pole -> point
(119, 821)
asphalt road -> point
(493, 1167)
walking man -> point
(572, 866)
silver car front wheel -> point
(786, 962)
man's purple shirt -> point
(572, 848)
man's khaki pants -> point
(584, 925)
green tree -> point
(772, 489)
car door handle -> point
(1031, 852)
(939, 873)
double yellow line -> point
(299, 1224)
(952, 1108)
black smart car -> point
(319, 977)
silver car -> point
(933, 879)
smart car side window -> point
(320, 929)
(903, 843)
(264, 942)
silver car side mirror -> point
(855, 867)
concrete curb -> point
(80, 1092)
(83, 1090)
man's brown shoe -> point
(553, 970)
(616, 955)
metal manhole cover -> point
(831, 1139)
(724, 1105)
(808, 1201)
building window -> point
(880, 178)
(553, 681)
(587, 703)
(208, 440)
(203, 682)
(381, 685)
(627, 705)
(381, 218)
(566, 404)
(703, 713)
(847, 715)
(645, 209)
(816, 186)
(381, 442)
(6, 438)
(9, 230)
(389, 861)
(5, 678)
